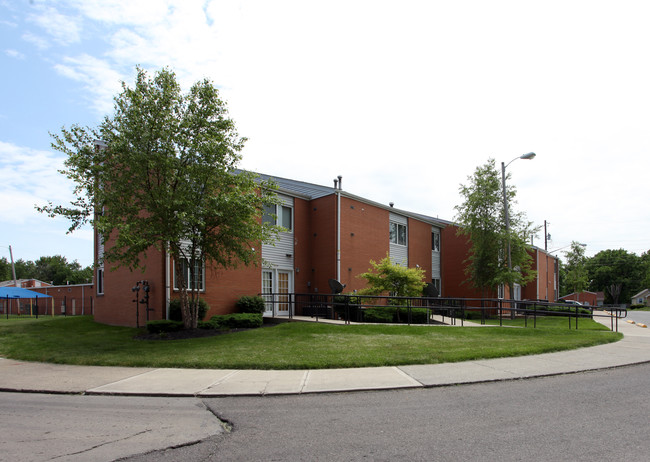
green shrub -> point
(237, 321)
(637, 306)
(175, 309)
(251, 304)
(418, 315)
(562, 311)
(207, 325)
(382, 315)
(163, 326)
(343, 305)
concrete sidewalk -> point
(51, 378)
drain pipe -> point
(338, 227)
(167, 281)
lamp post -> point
(529, 156)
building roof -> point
(312, 191)
(643, 293)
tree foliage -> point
(618, 273)
(167, 179)
(481, 218)
(574, 277)
(395, 279)
(54, 269)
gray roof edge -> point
(312, 191)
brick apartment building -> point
(545, 286)
(331, 234)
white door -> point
(277, 285)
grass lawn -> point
(295, 345)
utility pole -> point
(13, 268)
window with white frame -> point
(397, 233)
(435, 241)
(281, 215)
(501, 291)
(193, 281)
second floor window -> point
(435, 241)
(280, 215)
(397, 233)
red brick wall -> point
(584, 298)
(225, 286)
(77, 299)
(116, 306)
(303, 238)
(455, 250)
(542, 287)
(364, 237)
(323, 243)
(419, 241)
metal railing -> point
(422, 310)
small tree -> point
(389, 277)
(481, 217)
(167, 179)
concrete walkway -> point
(51, 378)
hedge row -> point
(228, 321)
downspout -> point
(338, 229)
(167, 283)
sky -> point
(403, 99)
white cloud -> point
(63, 29)
(15, 54)
(29, 177)
(99, 79)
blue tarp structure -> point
(19, 292)
(13, 293)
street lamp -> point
(530, 155)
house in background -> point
(641, 298)
(330, 234)
(585, 297)
(25, 283)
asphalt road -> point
(642, 317)
(588, 416)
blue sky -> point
(403, 99)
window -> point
(436, 284)
(501, 291)
(435, 241)
(100, 281)
(281, 215)
(397, 233)
(198, 280)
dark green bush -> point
(343, 305)
(637, 306)
(237, 320)
(382, 315)
(162, 326)
(562, 311)
(418, 315)
(251, 304)
(175, 309)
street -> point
(587, 416)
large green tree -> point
(618, 273)
(166, 178)
(481, 218)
